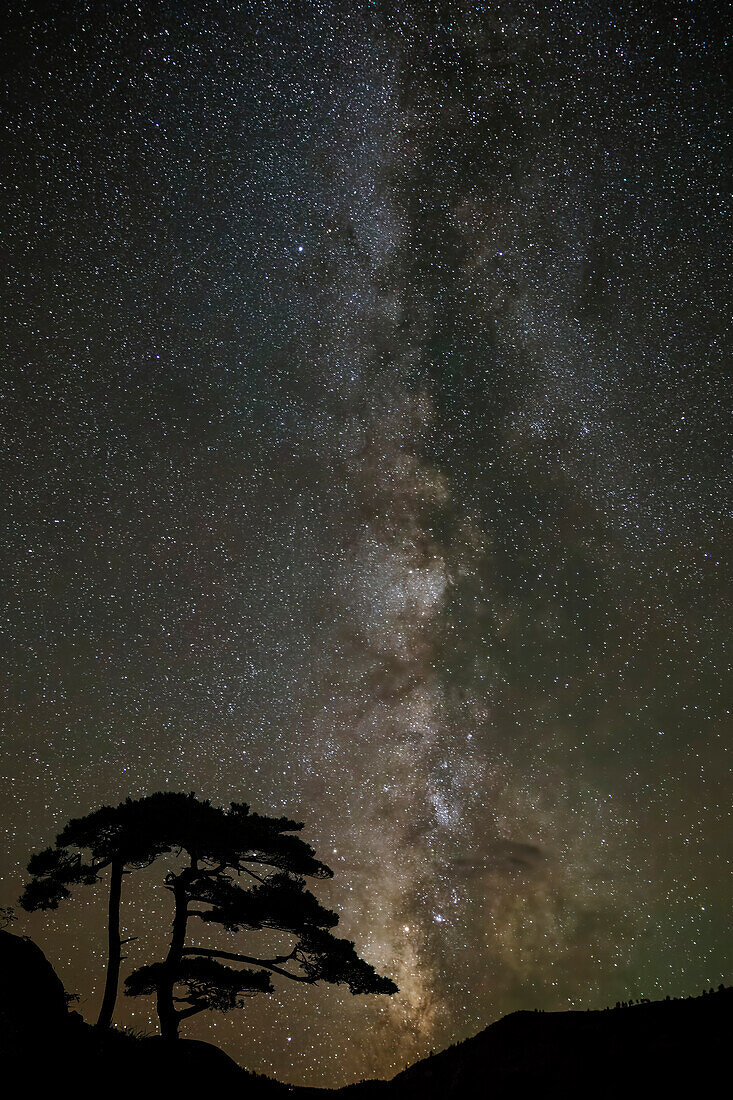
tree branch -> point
(268, 964)
(248, 871)
(217, 870)
(186, 1012)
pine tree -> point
(224, 849)
(114, 839)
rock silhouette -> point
(31, 994)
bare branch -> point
(248, 871)
(187, 1012)
(268, 964)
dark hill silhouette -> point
(664, 1048)
(54, 1047)
(651, 1049)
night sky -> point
(366, 457)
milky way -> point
(366, 437)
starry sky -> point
(366, 457)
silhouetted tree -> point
(222, 849)
(110, 838)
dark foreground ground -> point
(663, 1048)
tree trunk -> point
(167, 1013)
(114, 946)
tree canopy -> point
(110, 839)
(231, 869)
(243, 872)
